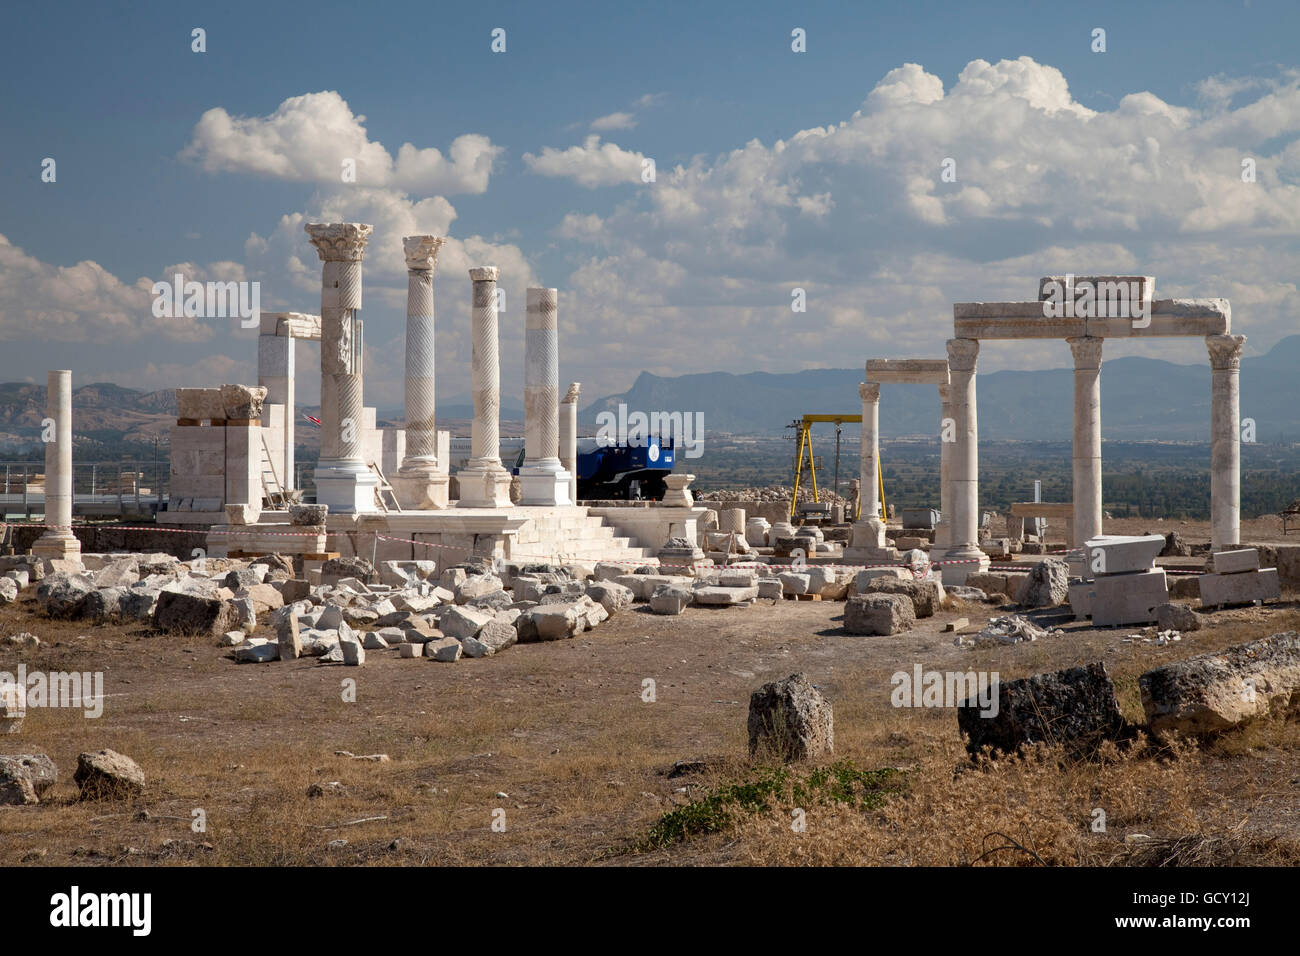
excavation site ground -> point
(551, 753)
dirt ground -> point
(557, 743)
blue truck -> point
(633, 472)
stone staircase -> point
(572, 534)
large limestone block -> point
(555, 622)
(24, 778)
(1075, 708)
(611, 595)
(107, 774)
(199, 403)
(790, 719)
(723, 597)
(181, 613)
(1232, 562)
(670, 599)
(1047, 585)
(1218, 590)
(1211, 693)
(1120, 554)
(463, 622)
(1128, 598)
(882, 614)
(926, 596)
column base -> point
(420, 491)
(544, 487)
(54, 546)
(348, 487)
(484, 489)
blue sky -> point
(1056, 171)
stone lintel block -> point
(1121, 554)
(1232, 562)
(908, 371)
(1243, 587)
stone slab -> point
(1246, 587)
(1128, 598)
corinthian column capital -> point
(421, 252)
(869, 392)
(339, 241)
(963, 354)
(1225, 351)
(1086, 350)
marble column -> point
(344, 480)
(1087, 438)
(943, 530)
(964, 555)
(419, 483)
(1225, 440)
(868, 532)
(542, 480)
(275, 373)
(58, 541)
(484, 483)
(569, 437)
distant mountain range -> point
(1141, 398)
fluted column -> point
(58, 541)
(569, 437)
(419, 483)
(1225, 440)
(484, 483)
(964, 553)
(343, 479)
(1087, 438)
(542, 480)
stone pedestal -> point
(1225, 440)
(58, 542)
(420, 485)
(484, 483)
(344, 481)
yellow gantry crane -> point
(804, 426)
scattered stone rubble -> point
(791, 720)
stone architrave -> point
(964, 555)
(484, 483)
(58, 541)
(1225, 440)
(542, 479)
(569, 437)
(1087, 438)
(419, 484)
(344, 480)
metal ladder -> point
(384, 488)
(273, 490)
